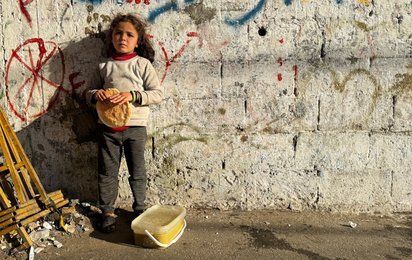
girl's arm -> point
(153, 91)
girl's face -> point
(124, 38)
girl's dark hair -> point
(145, 48)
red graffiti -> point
(25, 79)
(74, 84)
(192, 34)
(280, 77)
(295, 69)
(179, 53)
(146, 2)
(22, 5)
(280, 62)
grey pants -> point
(111, 147)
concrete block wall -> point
(299, 104)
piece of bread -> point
(113, 115)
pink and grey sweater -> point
(131, 73)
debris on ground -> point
(78, 217)
(352, 224)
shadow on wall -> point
(60, 143)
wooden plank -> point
(27, 213)
(6, 223)
(35, 217)
(8, 229)
(18, 150)
(57, 198)
(5, 168)
(6, 211)
(28, 203)
(20, 192)
(6, 216)
(62, 203)
(5, 202)
(54, 193)
(17, 183)
(27, 240)
(29, 208)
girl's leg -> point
(134, 147)
(110, 154)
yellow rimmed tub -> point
(159, 226)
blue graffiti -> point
(289, 2)
(246, 17)
(158, 11)
(92, 1)
(173, 6)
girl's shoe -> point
(108, 223)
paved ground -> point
(252, 235)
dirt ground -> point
(214, 234)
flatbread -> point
(113, 115)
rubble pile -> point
(78, 218)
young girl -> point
(128, 69)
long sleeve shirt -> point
(135, 74)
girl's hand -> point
(118, 99)
(100, 95)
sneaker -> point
(108, 223)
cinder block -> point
(366, 191)
(184, 81)
(283, 188)
(333, 151)
(256, 153)
(403, 111)
(401, 190)
(391, 152)
(209, 114)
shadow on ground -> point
(123, 233)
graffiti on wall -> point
(173, 6)
(92, 1)
(146, 2)
(35, 82)
(245, 18)
(23, 9)
(169, 61)
(280, 65)
(27, 82)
